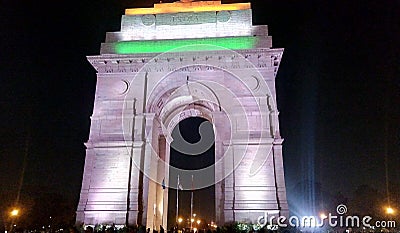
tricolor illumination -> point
(160, 46)
(200, 6)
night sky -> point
(338, 91)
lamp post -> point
(179, 222)
(14, 213)
(198, 223)
(191, 223)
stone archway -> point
(242, 133)
(192, 99)
(155, 72)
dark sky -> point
(338, 89)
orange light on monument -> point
(188, 6)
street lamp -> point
(179, 221)
(198, 221)
(14, 213)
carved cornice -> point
(268, 59)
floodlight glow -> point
(14, 212)
(161, 46)
(389, 210)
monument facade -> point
(168, 63)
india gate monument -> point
(171, 62)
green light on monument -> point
(160, 46)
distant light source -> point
(14, 212)
(192, 220)
(180, 220)
(198, 221)
(323, 216)
(389, 210)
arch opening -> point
(192, 148)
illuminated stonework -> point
(168, 63)
(189, 6)
(162, 46)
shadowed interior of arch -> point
(191, 130)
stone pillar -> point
(150, 172)
(134, 191)
(280, 177)
(222, 130)
(227, 190)
(161, 194)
